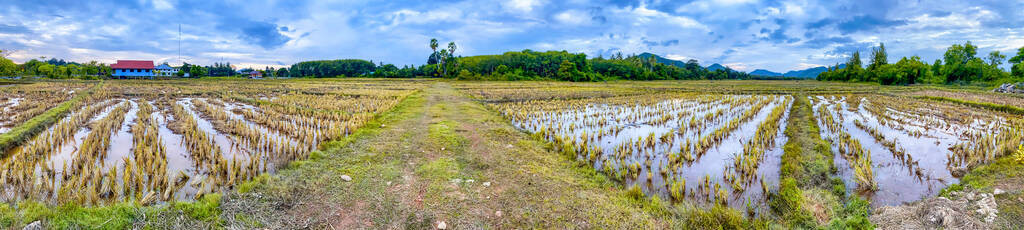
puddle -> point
(5, 108)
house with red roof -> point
(132, 69)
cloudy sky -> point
(743, 34)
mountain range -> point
(804, 73)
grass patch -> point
(444, 134)
(206, 209)
(985, 176)
(441, 169)
(719, 217)
(248, 186)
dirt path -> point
(437, 157)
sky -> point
(742, 34)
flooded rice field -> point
(158, 142)
(897, 150)
(21, 103)
(727, 148)
(714, 148)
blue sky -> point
(742, 34)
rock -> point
(442, 225)
(1010, 88)
(998, 192)
(35, 225)
(346, 178)
(487, 184)
(389, 183)
(498, 213)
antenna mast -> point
(179, 43)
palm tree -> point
(451, 54)
(433, 46)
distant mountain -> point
(716, 66)
(680, 64)
(805, 73)
(766, 73)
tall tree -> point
(1019, 58)
(1018, 63)
(878, 57)
(7, 67)
(450, 57)
(995, 58)
(433, 46)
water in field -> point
(6, 104)
(629, 134)
(915, 163)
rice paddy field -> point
(716, 154)
(723, 144)
(159, 141)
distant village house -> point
(164, 70)
(125, 69)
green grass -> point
(809, 196)
(121, 215)
(205, 209)
(984, 105)
(21, 133)
(444, 133)
(984, 177)
(441, 169)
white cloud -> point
(803, 66)
(677, 57)
(643, 15)
(162, 5)
(522, 6)
(740, 66)
(572, 17)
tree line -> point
(959, 65)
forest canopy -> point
(959, 65)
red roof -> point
(131, 64)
